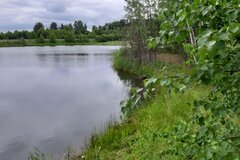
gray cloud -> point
(56, 8)
(23, 14)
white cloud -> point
(23, 14)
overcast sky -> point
(23, 14)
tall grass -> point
(122, 62)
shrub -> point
(83, 39)
(52, 37)
(40, 39)
(69, 37)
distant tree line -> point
(76, 32)
(110, 31)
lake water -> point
(51, 97)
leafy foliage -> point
(137, 96)
(79, 27)
(209, 32)
(40, 39)
(53, 26)
(83, 38)
(69, 36)
(38, 26)
(52, 37)
(178, 83)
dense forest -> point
(76, 32)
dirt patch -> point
(171, 58)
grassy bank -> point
(21, 43)
(141, 135)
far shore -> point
(28, 43)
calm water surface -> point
(51, 97)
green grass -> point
(156, 69)
(140, 136)
(19, 43)
(111, 43)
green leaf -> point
(139, 90)
(133, 90)
(150, 81)
(137, 100)
(215, 2)
(202, 131)
(145, 95)
(209, 154)
(204, 68)
(171, 33)
(211, 43)
(202, 42)
(165, 82)
(207, 33)
(224, 36)
(182, 88)
(206, 10)
(234, 27)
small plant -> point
(178, 84)
(69, 153)
(138, 95)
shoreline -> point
(35, 44)
(140, 135)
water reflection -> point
(54, 96)
(66, 59)
(130, 80)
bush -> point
(91, 35)
(40, 39)
(99, 38)
(69, 37)
(52, 37)
(107, 37)
(83, 39)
